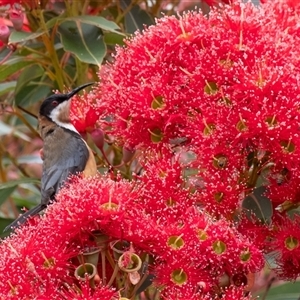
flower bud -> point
(128, 153)
(97, 136)
(17, 18)
(4, 33)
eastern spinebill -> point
(64, 150)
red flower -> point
(30, 3)
(82, 113)
(42, 252)
(164, 192)
(286, 243)
(235, 293)
(182, 278)
(85, 292)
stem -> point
(6, 57)
(3, 178)
(32, 51)
(264, 296)
(125, 11)
(103, 267)
(105, 157)
(35, 133)
(26, 111)
(81, 71)
(110, 259)
(144, 277)
(254, 174)
(114, 275)
(51, 51)
(86, 4)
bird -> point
(64, 151)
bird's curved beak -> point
(79, 88)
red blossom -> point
(101, 292)
(227, 86)
(164, 192)
(43, 251)
(182, 279)
(82, 113)
(285, 242)
(233, 293)
(29, 3)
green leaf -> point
(6, 87)
(31, 86)
(29, 159)
(29, 74)
(97, 21)
(3, 224)
(11, 66)
(5, 129)
(83, 40)
(15, 183)
(136, 18)
(286, 291)
(32, 93)
(258, 204)
(22, 36)
(5, 193)
(111, 38)
(4, 51)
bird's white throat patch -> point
(58, 114)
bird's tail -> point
(23, 218)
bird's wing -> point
(63, 155)
(68, 157)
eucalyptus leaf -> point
(31, 86)
(12, 66)
(29, 74)
(22, 36)
(136, 18)
(85, 41)
(15, 183)
(5, 193)
(6, 87)
(4, 51)
(21, 135)
(258, 204)
(32, 94)
(286, 291)
(28, 202)
(97, 21)
(52, 22)
(111, 38)
(29, 159)
(6, 129)
(3, 224)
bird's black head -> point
(53, 101)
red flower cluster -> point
(224, 90)
(40, 258)
(224, 86)
(190, 252)
(213, 103)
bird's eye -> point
(54, 103)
